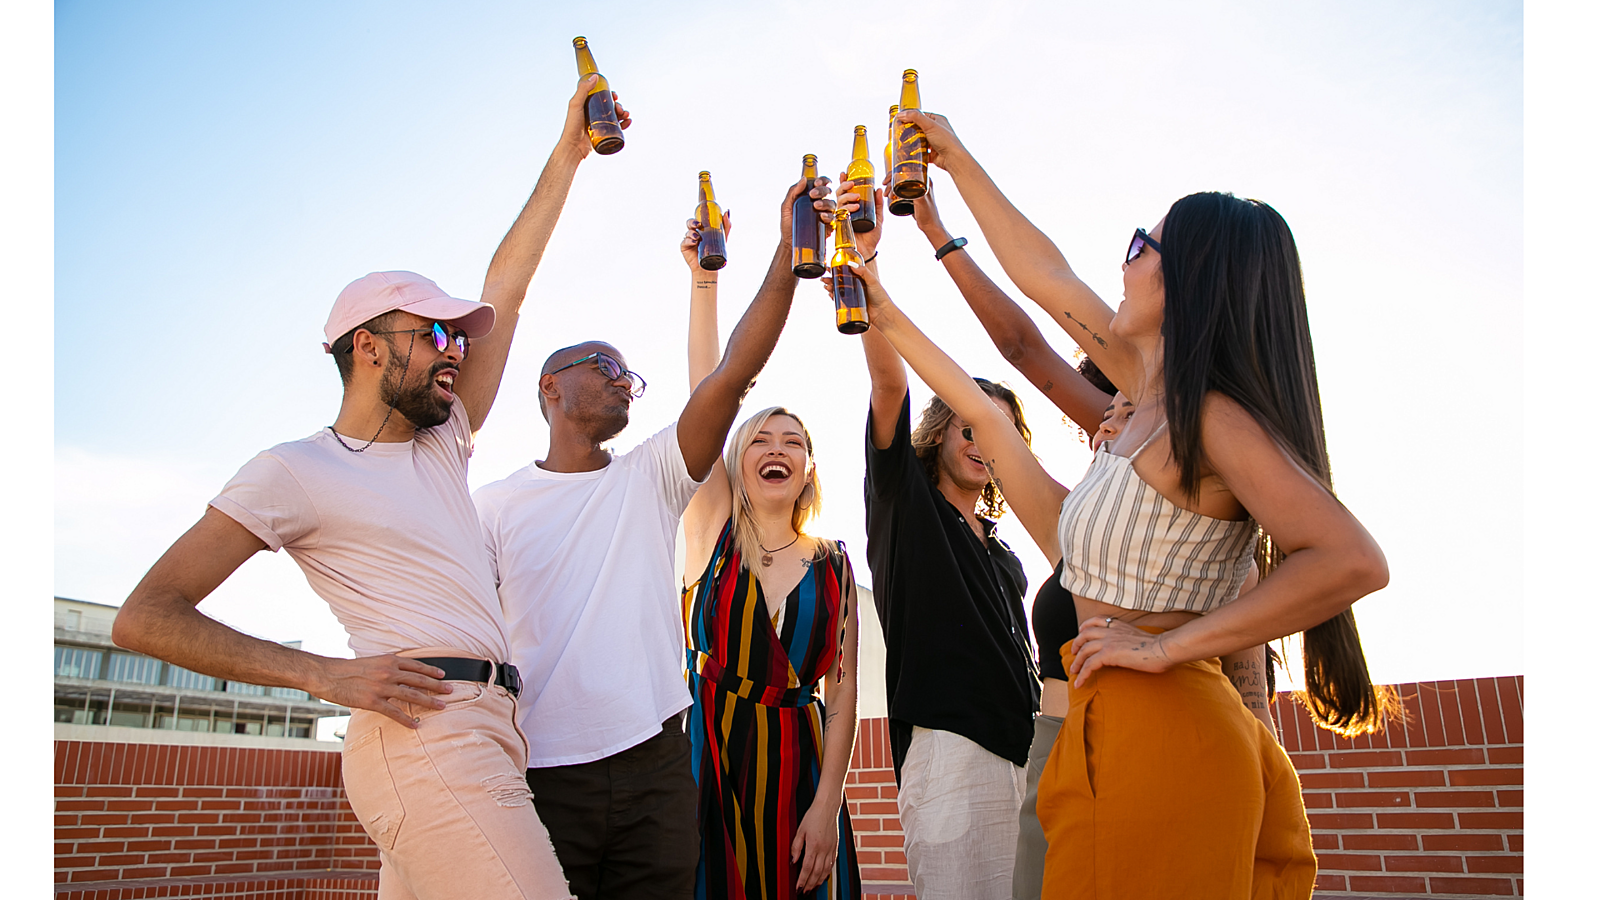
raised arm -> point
(1014, 334)
(1031, 260)
(1028, 489)
(713, 502)
(159, 619)
(715, 402)
(884, 367)
(512, 267)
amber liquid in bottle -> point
(600, 110)
(898, 206)
(865, 218)
(713, 243)
(849, 294)
(807, 232)
(910, 168)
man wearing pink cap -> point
(376, 511)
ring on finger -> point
(1108, 621)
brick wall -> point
(1431, 808)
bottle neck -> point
(586, 66)
(910, 95)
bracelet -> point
(954, 245)
(870, 258)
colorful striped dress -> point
(755, 729)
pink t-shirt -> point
(389, 536)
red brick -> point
(1314, 780)
(869, 857)
(1369, 799)
(1475, 777)
(894, 856)
(1505, 756)
(879, 840)
(1499, 887)
(861, 793)
(1309, 761)
(65, 806)
(1317, 800)
(1414, 820)
(1489, 701)
(1358, 862)
(1366, 759)
(1322, 840)
(1329, 882)
(1458, 841)
(64, 790)
(1406, 778)
(883, 873)
(1511, 865)
(1389, 884)
(882, 808)
(1508, 799)
(1380, 841)
(1454, 799)
(1464, 756)
(1332, 821)
(1471, 712)
(108, 790)
(1514, 842)
(1511, 707)
(1422, 863)
(149, 791)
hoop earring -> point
(808, 494)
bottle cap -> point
(910, 75)
(580, 41)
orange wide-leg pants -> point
(1165, 786)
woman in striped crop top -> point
(1161, 784)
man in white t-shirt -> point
(582, 545)
(376, 511)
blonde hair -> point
(806, 507)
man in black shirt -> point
(961, 682)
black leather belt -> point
(461, 669)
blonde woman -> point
(770, 617)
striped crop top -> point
(1124, 544)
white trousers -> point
(958, 806)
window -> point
(134, 668)
(77, 662)
(239, 687)
(289, 693)
(179, 677)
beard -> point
(417, 401)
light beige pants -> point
(448, 802)
(958, 806)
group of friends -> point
(540, 708)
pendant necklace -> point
(766, 555)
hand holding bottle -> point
(820, 201)
(851, 195)
(943, 145)
(575, 133)
(690, 246)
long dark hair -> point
(1235, 322)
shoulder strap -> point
(1153, 435)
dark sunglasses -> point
(1139, 242)
(441, 337)
(612, 370)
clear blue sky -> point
(222, 170)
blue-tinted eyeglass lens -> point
(442, 339)
(1135, 247)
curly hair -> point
(928, 436)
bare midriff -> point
(1053, 700)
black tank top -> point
(1055, 624)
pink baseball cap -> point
(380, 292)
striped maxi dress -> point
(755, 729)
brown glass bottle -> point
(849, 294)
(807, 233)
(898, 206)
(713, 243)
(599, 109)
(865, 218)
(909, 178)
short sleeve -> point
(887, 468)
(488, 500)
(269, 502)
(672, 476)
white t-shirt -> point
(584, 565)
(387, 536)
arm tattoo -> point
(1097, 338)
(1048, 385)
(705, 284)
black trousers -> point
(625, 826)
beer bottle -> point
(897, 205)
(807, 230)
(910, 176)
(713, 243)
(865, 218)
(849, 294)
(599, 109)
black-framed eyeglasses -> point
(966, 433)
(1141, 240)
(441, 337)
(612, 370)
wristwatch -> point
(954, 245)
